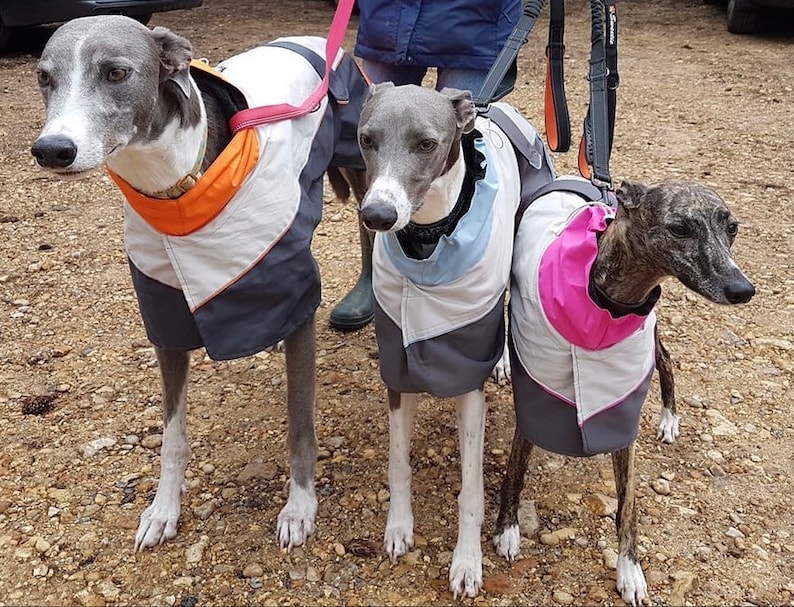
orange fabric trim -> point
(205, 67)
(551, 116)
(584, 168)
(201, 204)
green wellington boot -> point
(357, 308)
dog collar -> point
(187, 182)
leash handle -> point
(558, 122)
(507, 56)
(284, 111)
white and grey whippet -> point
(444, 185)
(218, 226)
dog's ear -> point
(464, 108)
(175, 55)
(630, 194)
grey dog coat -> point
(246, 279)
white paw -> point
(279, 347)
(465, 573)
(501, 372)
(158, 524)
(508, 543)
(668, 431)
(631, 581)
(397, 540)
(296, 520)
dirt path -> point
(695, 102)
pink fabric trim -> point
(563, 281)
(255, 116)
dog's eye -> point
(427, 145)
(365, 141)
(117, 74)
(732, 228)
(679, 230)
(43, 78)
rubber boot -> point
(357, 308)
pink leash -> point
(284, 111)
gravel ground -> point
(80, 392)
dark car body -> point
(743, 16)
(26, 13)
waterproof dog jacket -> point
(580, 376)
(228, 265)
(440, 321)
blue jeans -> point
(470, 80)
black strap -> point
(558, 123)
(507, 56)
(585, 189)
(599, 122)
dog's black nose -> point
(54, 151)
(740, 291)
(379, 216)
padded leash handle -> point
(284, 111)
(506, 60)
(558, 122)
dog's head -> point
(101, 78)
(688, 230)
(409, 137)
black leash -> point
(599, 124)
(558, 123)
(506, 60)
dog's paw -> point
(508, 542)
(465, 573)
(296, 520)
(668, 430)
(631, 581)
(158, 524)
(398, 540)
(279, 347)
(501, 372)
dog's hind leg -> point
(399, 536)
(507, 540)
(630, 579)
(668, 424)
(159, 521)
(465, 572)
(296, 519)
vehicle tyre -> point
(740, 20)
(144, 19)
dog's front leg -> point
(465, 573)
(296, 519)
(668, 424)
(630, 580)
(399, 536)
(159, 520)
(507, 540)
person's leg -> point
(356, 309)
(378, 72)
(465, 80)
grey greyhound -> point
(444, 185)
(218, 226)
(581, 371)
